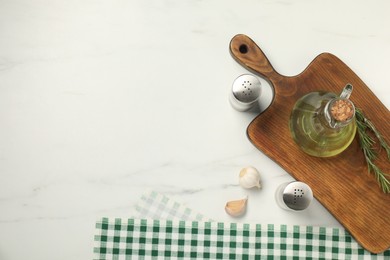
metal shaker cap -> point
(297, 195)
(294, 195)
(245, 92)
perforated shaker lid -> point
(246, 88)
(297, 195)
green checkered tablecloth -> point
(161, 228)
(171, 239)
(155, 205)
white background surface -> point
(101, 101)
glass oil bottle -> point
(322, 123)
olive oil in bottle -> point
(322, 123)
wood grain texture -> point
(341, 183)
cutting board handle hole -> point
(243, 48)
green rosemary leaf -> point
(369, 151)
(380, 176)
(382, 142)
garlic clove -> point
(236, 208)
(249, 178)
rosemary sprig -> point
(370, 153)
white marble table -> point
(101, 101)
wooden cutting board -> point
(341, 183)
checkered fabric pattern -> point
(155, 205)
(170, 239)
